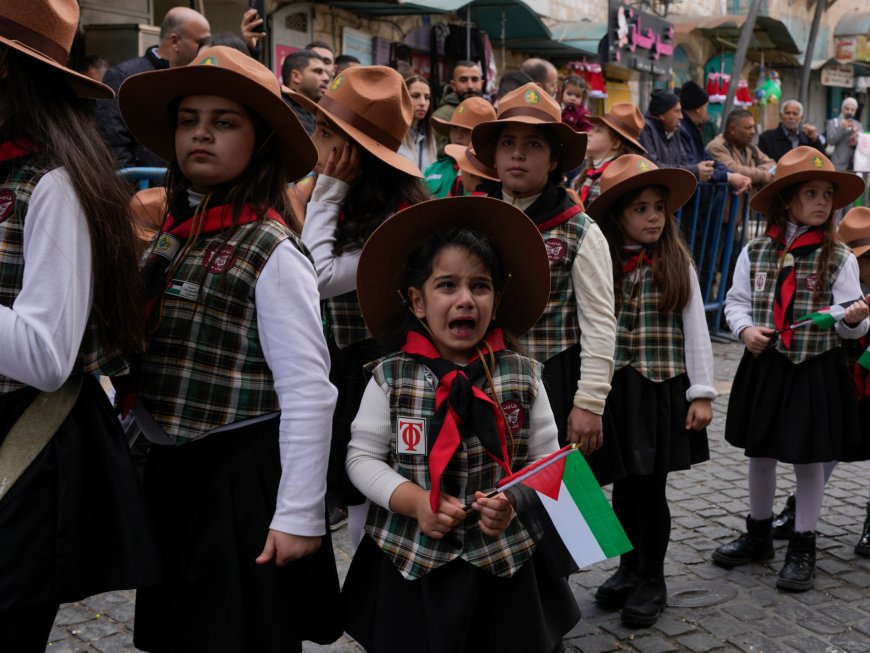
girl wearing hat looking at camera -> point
(72, 515)
(792, 399)
(530, 147)
(361, 121)
(660, 403)
(238, 413)
(443, 285)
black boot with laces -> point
(800, 563)
(755, 544)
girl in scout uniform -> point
(72, 516)
(792, 398)
(663, 387)
(530, 147)
(474, 178)
(443, 284)
(361, 121)
(233, 390)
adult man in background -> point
(181, 33)
(543, 73)
(326, 53)
(735, 150)
(789, 134)
(842, 134)
(467, 81)
(661, 137)
(306, 73)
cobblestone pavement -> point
(709, 608)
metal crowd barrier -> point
(144, 178)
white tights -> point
(809, 490)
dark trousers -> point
(641, 504)
(26, 630)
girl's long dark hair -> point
(777, 215)
(377, 193)
(39, 106)
(671, 256)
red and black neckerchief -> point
(591, 176)
(462, 409)
(786, 283)
(633, 258)
(11, 150)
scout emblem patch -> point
(514, 414)
(556, 249)
(209, 61)
(411, 436)
(333, 86)
(817, 162)
(7, 204)
(532, 97)
(760, 280)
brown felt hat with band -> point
(515, 237)
(530, 105)
(626, 120)
(146, 100)
(467, 114)
(854, 230)
(44, 30)
(468, 162)
(804, 164)
(631, 172)
(372, 106)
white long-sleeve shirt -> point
(697, 345)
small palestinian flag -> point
(562, 506)
(827, 317)
(864, 359)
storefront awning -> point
(400, 7)
(770, 37)
(853, 24)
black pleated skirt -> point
(457, 608)
(648, 423)
(805, 413)
(75, 523)
(212, 502)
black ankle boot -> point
(755, 544)
(800, 563)
(863, 546)
(783, 525)
(612, 593)
(643, 606)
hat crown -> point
(802, 159)
(627, 116)
(221, 56)
(47, 26)
(472, 112)
(855, 225)
(625, 167)
(530, 101)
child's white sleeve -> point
(543, 433)
(370, 443)
(738, 301)
(847, 287)
(336, 274)
(697, 345)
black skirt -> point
(648, 420)
(75, 523)
(213, 501)
(456, 608)
(805, 413)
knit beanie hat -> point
(693, 96)
(660, 101)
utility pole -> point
(740, 57)
(808, 55)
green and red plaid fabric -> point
(346, 320)
(411, 390)
(558, 328)
(205, 367)
(764, 263)
(647, 339)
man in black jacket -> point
(181, 33)
(789, 133)
(661, 136)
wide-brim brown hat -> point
(467, 114)
(630, 172)
(146, 100)
(44, 30)
(516, 238)
(371, 106)
(530, 105)
(806, 163)
(854, 230)
(626, 120)
(467, 161)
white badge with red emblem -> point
(411, 436)
(760, 280)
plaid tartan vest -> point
(763, 270)
(19, 180)
(646, 338)
(411, 390)
(558, 328)
(205, 367)
(346, 320)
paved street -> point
(709, 609)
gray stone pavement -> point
(709, 609)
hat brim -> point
(848, 188)
(516, 238)
(371, 145)
(146, 98)
(602, 120)
(82, 85)
(680, 183)
(484, 136)
(459, 153)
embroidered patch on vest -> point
(221, 261)
(7, 204)
(760, 280)
(556, 249)
(811, 282)
(514, 414)
(183, 289)
(411, 436)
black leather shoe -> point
(612, 593)
(863, 546)
(800, 564)
(783, 526)
(755, 544)
(644, 605)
